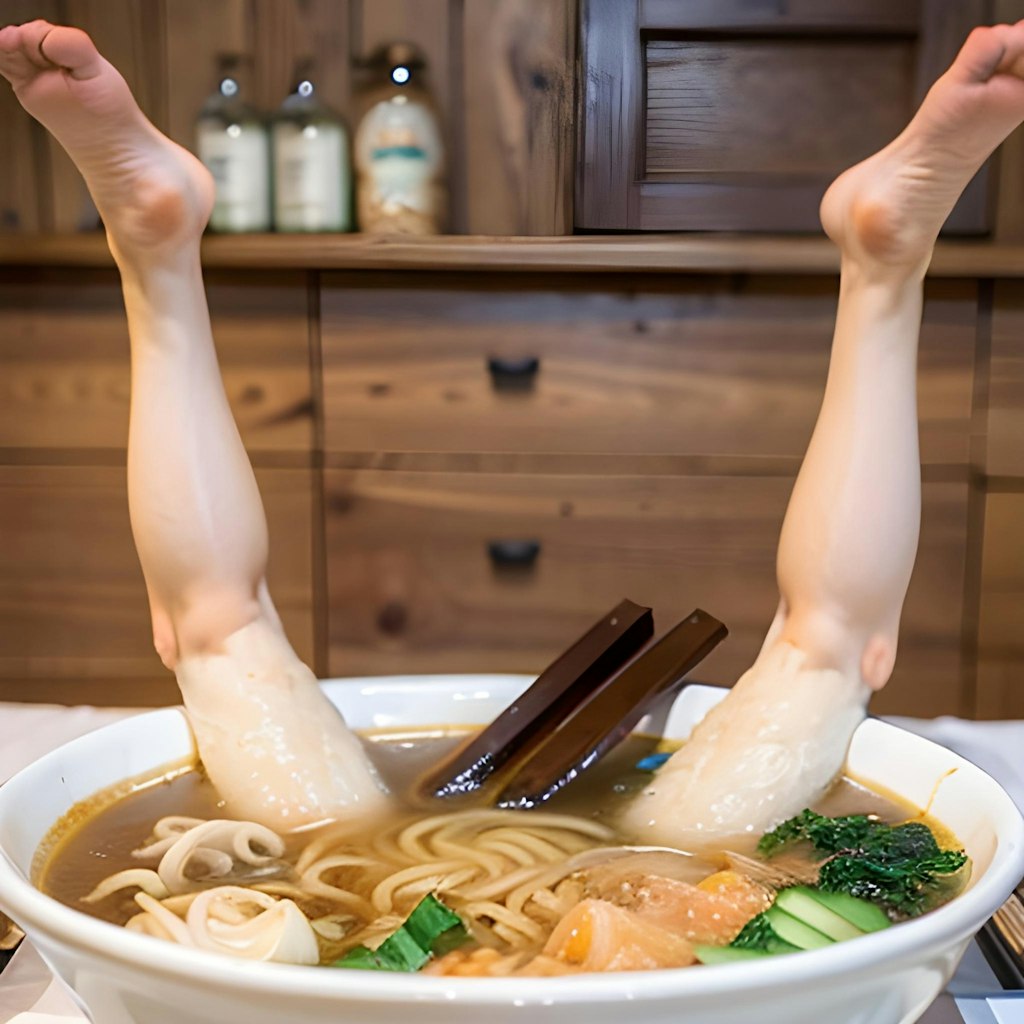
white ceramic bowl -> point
(123, 977)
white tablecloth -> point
(30, 995)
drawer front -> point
(1001, 614)
(685, 366)
(66, 378)
(74, 617)
(1005, 456)
(444, 572)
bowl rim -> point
(942, 928)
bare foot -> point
(888, 210)
(153, 195)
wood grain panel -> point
(1000, 693)
(297, 30)
(610, 107)
(64, 349)
(641, 85)
(428, 24)
(197, 32)
(518, 77)
(711, 367)
(412, 587)
(706, 104)
(703, 253)
(73, 608)
(1005, 447)
(271, 36)
(794, 15)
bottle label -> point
(400, 159)
(237, 157)
(312, 181)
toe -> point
(30, 38)
(72, 49)
(981, 55)
(1012, 62)
(998, 49)
(15, 64)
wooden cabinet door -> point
(736, 114)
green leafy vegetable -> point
(758, 935)
(899, 866)
(430, 930)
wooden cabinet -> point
(736, 114)
(1000, 652)
(1000, 639)
(405, 444)
(648, 452)
(417, 580)
(670, 366)
(74, 616)
(64, 348)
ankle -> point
(151, 273)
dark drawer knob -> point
(513, 554)
(513, 374)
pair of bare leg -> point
(267, 737)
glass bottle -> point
(234, 144)
(399, 152)
(312, 178)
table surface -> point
(30, 995)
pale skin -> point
(269, 739)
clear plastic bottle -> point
(234, 144)
(312, 176)
(399, 152)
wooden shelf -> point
(688, 253)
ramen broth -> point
(84, 852)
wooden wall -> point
(651, 457)
(73, 618)
(501, 71)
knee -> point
(166, 643)
(877, 661)
(204, 620)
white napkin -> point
(30, 730)
(29, 993)
(1007, 1009)
(993, 746)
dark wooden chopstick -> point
(526, 724)
(614, 710)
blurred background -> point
(586, 369)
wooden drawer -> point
(1000, 635)
(74, 618)
(413, 587)
(707, 366)
(64, 350)
(736, 114)
(1006, 382)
